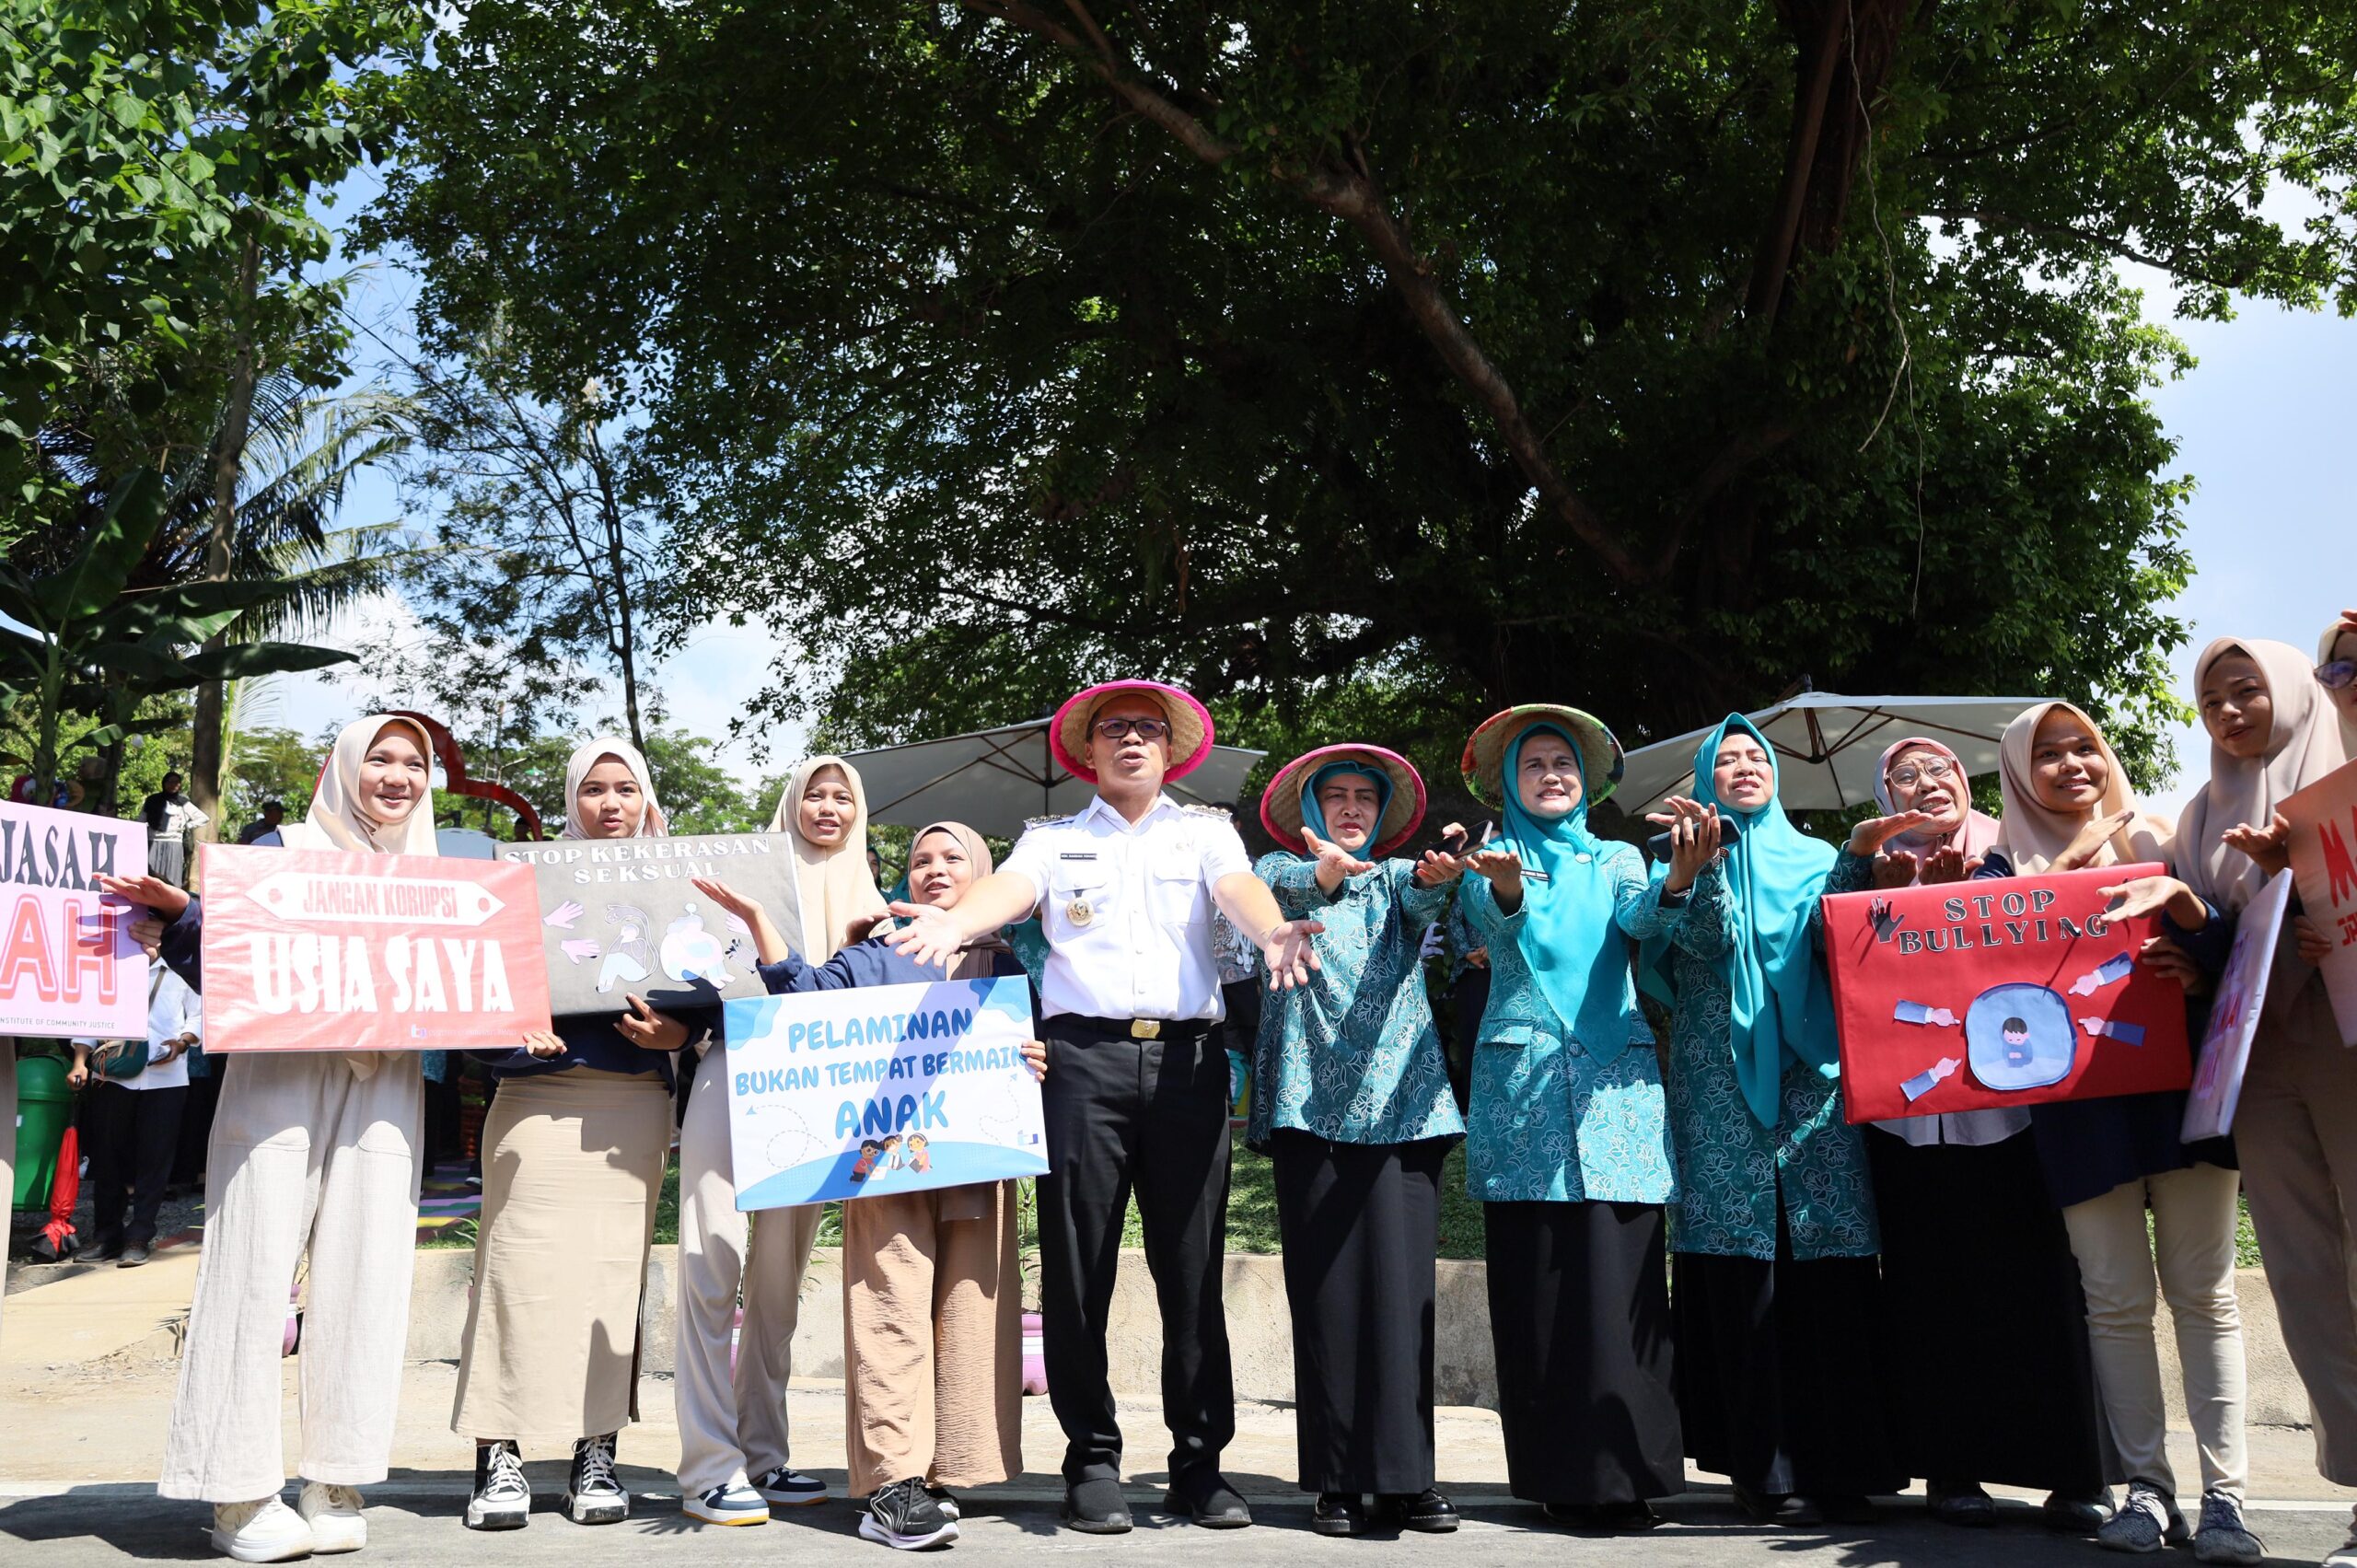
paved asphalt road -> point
(414, 1521)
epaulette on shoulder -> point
(1212, 811)
(1031, 822)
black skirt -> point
(1360, 1227)
(1778, 1381)
(1981, 1305)
(1579, 1314)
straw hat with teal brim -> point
(1601, 758)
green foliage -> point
(1453, 355)
(273, 763)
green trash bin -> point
(44, 1109)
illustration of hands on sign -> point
(2019, 1036)
(689, 951)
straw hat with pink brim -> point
(1403, 813)
(1191, 726)
(1601, 758)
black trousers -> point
(196, 1127)
(1777, 1382)
(1148, 1115)
(1361, 1225)
(135, 1136)
(1579, 1316)
(1980, 1304)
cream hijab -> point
(977, 959)
(2333, 635)
(2033, 832)
(336, 821)
(652, 823)
(2303, 745)
(835, 883)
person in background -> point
(134, 1125)
(2067, 806)
(170, 815)
(1136, 1096)
(933, 1341)
(1775, 1282)
(1350, 1101)
(271, 817)
(1975, 1257)
(573, 1148)
(2272, 733)
(1567, 1145)
(312, 1151)
(732, 1435)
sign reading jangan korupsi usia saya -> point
(316, 950)
(68, 967)
(892, 1089)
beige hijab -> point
(835, 883)
(2033, 832)
(651, 824)
(2303, 745)
(978, 957)
(2332, 634)
(336, 821)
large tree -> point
(1653, 353)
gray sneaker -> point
(2146, 1522)
(2223, 1538)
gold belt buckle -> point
(1145, 1029)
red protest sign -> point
(320, 950)
(68, 967)
(2007, 992)
(2324, 864)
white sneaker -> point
(333, 1513)
(790, 1487)
(265, 1530)
(733, 1504)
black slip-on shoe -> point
(1097, 1508)
(1208, 1502)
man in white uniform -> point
(1136, 1097)
(135, 1126)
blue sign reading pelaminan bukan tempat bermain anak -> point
(888, 1088)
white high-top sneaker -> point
(334, 1515)
(265, 1530)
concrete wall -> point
(1258, 1331)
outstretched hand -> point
(1868, 837)
(1694, 840)
(2089, 841)
(1287, 949)
(1334, 862)
(147, 891)
(928, 933)
(2270, 848)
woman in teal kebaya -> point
(1776, 1278)
(1566, 1144)
(1351, 1100)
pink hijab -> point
(1973, 836)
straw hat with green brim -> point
(1191, 726)
(1601, 758)
(1403, 813)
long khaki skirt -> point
(572, 1163)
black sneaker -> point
(97, 1249)
(943, 1500)
(1338, 1513)
(134, 1254)
(593, 1493)
(905, 1517)
(502, 1498)
(1097, 1508)
(1209, 1501)
(1428, 1512)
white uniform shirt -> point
(172, 1011)
(1128, 909)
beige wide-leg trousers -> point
(932, 1337)
(2295, 1131)
(2191, 1248)
(305, 1155)
(732, 1425)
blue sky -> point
(2262, 425)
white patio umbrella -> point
(1828, 745)
(996, 780)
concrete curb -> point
(1260, 1331)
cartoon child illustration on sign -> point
(2015, 1034)
(919, 1160)
(2019, 1037)
(870, 1151)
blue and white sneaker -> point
(2146, 1522)
(790, 1487)
(727, 1506)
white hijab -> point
(652, 823)
(836, 886)
(2333, 635)
(336, 821)
(2303, 745)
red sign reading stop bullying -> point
(320, 950)
(2013, 990)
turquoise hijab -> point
(1781, 1002)
(1313, 816)
(1568, 936)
